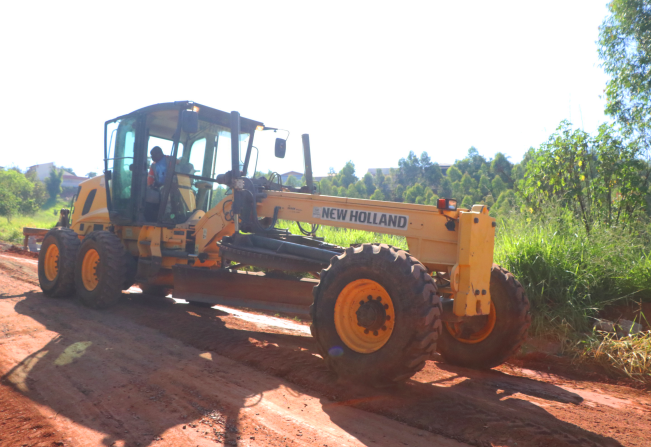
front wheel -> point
(487, 341)
(56, 262)
(375, 315)
(100, 271)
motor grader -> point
(378, 312)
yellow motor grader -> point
(378, 312)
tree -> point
(498, 186)
(91, 174)
(625, 49)
(467, 202)
(360, 187)
(68, 170)
(445, 188)
(600, 179)
(377, 195)
(292, 181)
(18, 195)
(484, 185)
(409, 170)
(502, 166)
(368, 183)
(432, 175)
(506, 203)
(53, 183)
(468, 184)
(347, 174)
(410, 195)
(454, 174)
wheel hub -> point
(364, 316)
(371, 314)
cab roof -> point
(206, 113)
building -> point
(297, 175)
(71, 181)
(43, 171)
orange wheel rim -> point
(89, 269)
(51, 267)
(364, 316)
(457, 329)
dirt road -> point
(156, 372)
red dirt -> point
(19, 251)
(152, 372)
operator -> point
(155, 180)
(158, 168)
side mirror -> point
(189, 121)
(280, 148)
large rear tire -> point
(488, 341)
(375, 316)
(100, 271)
(56, 262)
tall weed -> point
(570, 275)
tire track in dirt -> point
(498, 407)
(480, 408)
(104, 380)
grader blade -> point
(253, 290)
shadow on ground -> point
(107, 372)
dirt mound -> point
(19, 251)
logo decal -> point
(384, 220)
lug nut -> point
(384, 328)
(361, 303)
(386, 306)
(375, 333)
(388, 317)
(379, 298)
(366, 331)
(369, 297)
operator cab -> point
(196, 144)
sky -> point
(368, 81)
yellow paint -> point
(349, 301)
(51, 265)
(72, 352)
(89, 269)
(466, 252)
(98, 213)
(472, 273)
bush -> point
(569, 275)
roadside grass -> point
(346, 237)
(628, 356)
(569, 275)
(12, 230)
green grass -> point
(12, 231)
(569, 275)
(346, 237)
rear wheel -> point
(487, 341)
(375, 314)
(100, 271)
(56, 262)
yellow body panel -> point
(97, 212)
(465, 251)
